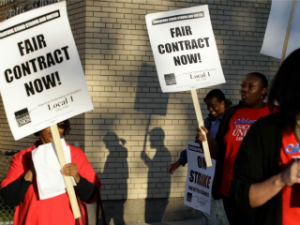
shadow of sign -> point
(149, 99)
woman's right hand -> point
(260, 193)
(200, 135)
(291, 175)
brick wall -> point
(135, 131)
(123, 84)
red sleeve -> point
(20, 163)
(85, 169)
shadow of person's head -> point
(112, 141)
(157, 137)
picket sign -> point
(282, 32)
(185, 53)
(50, 95)
(198, 194)
(288, 30)
(200, 124)
(67, 179)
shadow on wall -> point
(149, 98)
(152, 102)
(158, 178)
(115, 176)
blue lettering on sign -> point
(239, 121)
(291, 149)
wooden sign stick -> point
(200, 124)
(146, 135)
(67, 179)
(288, 30)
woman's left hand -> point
(71, 169)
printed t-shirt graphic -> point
(290, 195)
(238, 127)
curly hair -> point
(66, 126)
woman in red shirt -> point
(267, 170)
(19, 188)
(234, 126)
